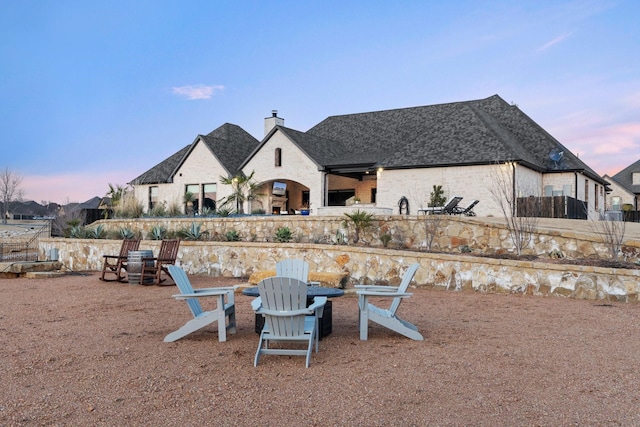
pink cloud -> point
(72, 187)
(197, 91)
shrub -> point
(191, 233)
(283, 235)
(232, 236)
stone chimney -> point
(273, 121)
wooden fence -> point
(551, 207)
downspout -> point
(513, 189)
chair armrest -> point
(209, 293)
(114, 256)
(385, 294)
(256, 304)
(317, 303)
(224, 288)
(378, 288)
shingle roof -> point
(472, 132)
(229, 143)
(625, 177)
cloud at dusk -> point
(197, 91)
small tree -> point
(504, 191)
(611, 232)
(437, 197)
(10, 190)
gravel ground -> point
(77, 351)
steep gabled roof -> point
(461, 133)
(229, 143)
(625, 177)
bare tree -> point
(504, 190)
(432, 223)
(611, 232)
(10, 190)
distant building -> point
(625, 188)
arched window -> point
(278, 157)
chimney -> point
(273, 121)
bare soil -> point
(77, 351)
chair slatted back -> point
(169, 250)
(406, 280)
(182, 281)
(296, 268)
(128, 245)
(284, 294)
(449, 207)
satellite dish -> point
(556, 157)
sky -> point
(97, 92)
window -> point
(194, 189)
(374, 191)
(616, 203)
(586, 192)
(153, 197)
(278, 153)
(209, 196)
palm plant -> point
(244, 189)
(360, 221)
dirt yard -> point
(76, 351)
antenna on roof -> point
(556, 157)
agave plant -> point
(95, 233)
(191, 233)
(78, 232)
(127, 233)
(158, 232)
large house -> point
(624, 188)
(378, 158)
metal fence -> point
(24, 250)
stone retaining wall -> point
(374, 265)
(454, 233)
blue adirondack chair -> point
(283, 303)
(387, 317)
(296, 268)
(224, 309)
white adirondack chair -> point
(283, 303)
(386, 317)
(296, 268)
(203, 318)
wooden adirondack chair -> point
(386, 317)
(115, 264)
(154, 267)
(224, 309)
(283, 303)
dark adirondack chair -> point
(115, 264)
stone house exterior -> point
(624, 188)
(378, 158)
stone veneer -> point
(374, 264)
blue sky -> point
(97, 92)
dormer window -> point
(278, 159)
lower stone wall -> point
(369, 265)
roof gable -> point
(229, 143)
(625, 177)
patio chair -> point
(447, 209)
(468, 211)
(152, 268)
(296, 268)
(224, 309)
(115, 264)
(283, 303)
(386, 317)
